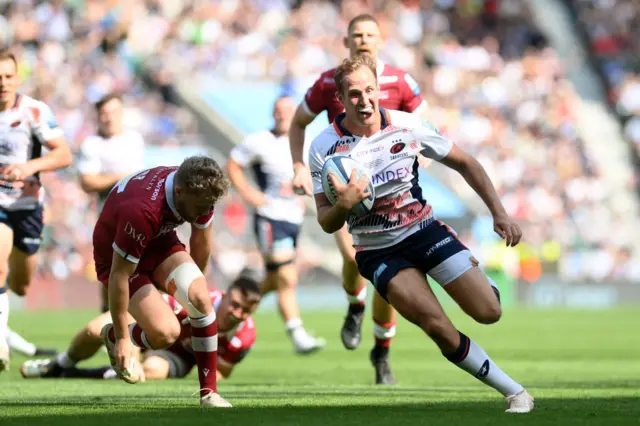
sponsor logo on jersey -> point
(413, 145)
(135, 234)
(377, 148)
(397, 147)
(389, 175)
(340, 146)
(401, 155)
(156, 191)
(437, 245)
(384, 94)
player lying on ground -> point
(137, 251)
(278, 215)
(19, 344)
(236, 328)
(400, 241)
(401, 93)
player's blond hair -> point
(350, 65)
(203, 176)
(7, 55)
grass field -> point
(583, 367)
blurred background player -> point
(136, 249)
(28, 127)
(400, 240)
(109, 155)
(278, 214)
(398, 91)
(236, 336)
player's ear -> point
(345, 41)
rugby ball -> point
(341, 167)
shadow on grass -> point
(159, 411)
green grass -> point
(583, 367)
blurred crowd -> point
(491, 82)
(613, 29)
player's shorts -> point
(435, 250)
(27, 227)
(157, 251)
(180, 361)
(275, 236)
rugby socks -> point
(474, 360)
(18, 343)
(64, 361)
(357, 297)
(4, 315)
(296, 331)
(494, 287)
(383, 333)
(137, 335)
(204, 342)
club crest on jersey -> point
(397, 148)
(16, 123)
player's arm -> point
(101, 182)
(201, 244)
(439, 148)
(302, 118)
(330, 217)
(121, 270)
(241, 156)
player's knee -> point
(489, 314)
(165, 337)
(182, 282)
(18, 286)
(94, 327)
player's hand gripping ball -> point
(341, 167)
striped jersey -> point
(24, 129)
(390, 157)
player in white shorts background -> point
(27, 127)
(278, 214)
(109, 155)
(400, 241)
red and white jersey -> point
(120, 154)
(140, 208)
(24, 129)
(233, 345)
(398, 91)
(270, 157)
(391, 158)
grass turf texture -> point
(583, 367)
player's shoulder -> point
(133, 136)
(34, 107)
(402, 77)
(91, 142)
(259, 138)
(325, 138)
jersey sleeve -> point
(316, 163)
(89, 162)
(314, 101)
(433, 144)
(204, 221)
(246, 152)
(135, 229)
(43, 123)
(411, 94)
(237, 348)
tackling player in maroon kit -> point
(398, 91)
(136, 249)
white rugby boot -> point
(521, 402)
(214, 400)
(4, 357)
(133, 373)
(309, 344)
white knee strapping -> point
(182, 277)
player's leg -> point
(384, 328)
(410, 294)
(356, 288)
(476, 296)
(104, 298)
(166, 364)
(179, 276)
(27, 226)
(277, 242)
(6, 245)
(22, 268)
(19, 344)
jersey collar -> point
(168, 189)
(342, 131)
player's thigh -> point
(344, 241)
(409, 292)
(475, 296)
(95, 325)
(154, 315)
(165, 364)
(155, 367)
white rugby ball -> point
(341, 167)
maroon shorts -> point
(158, 250)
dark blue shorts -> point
(435, 250)
(27, 227)
(275, 236)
